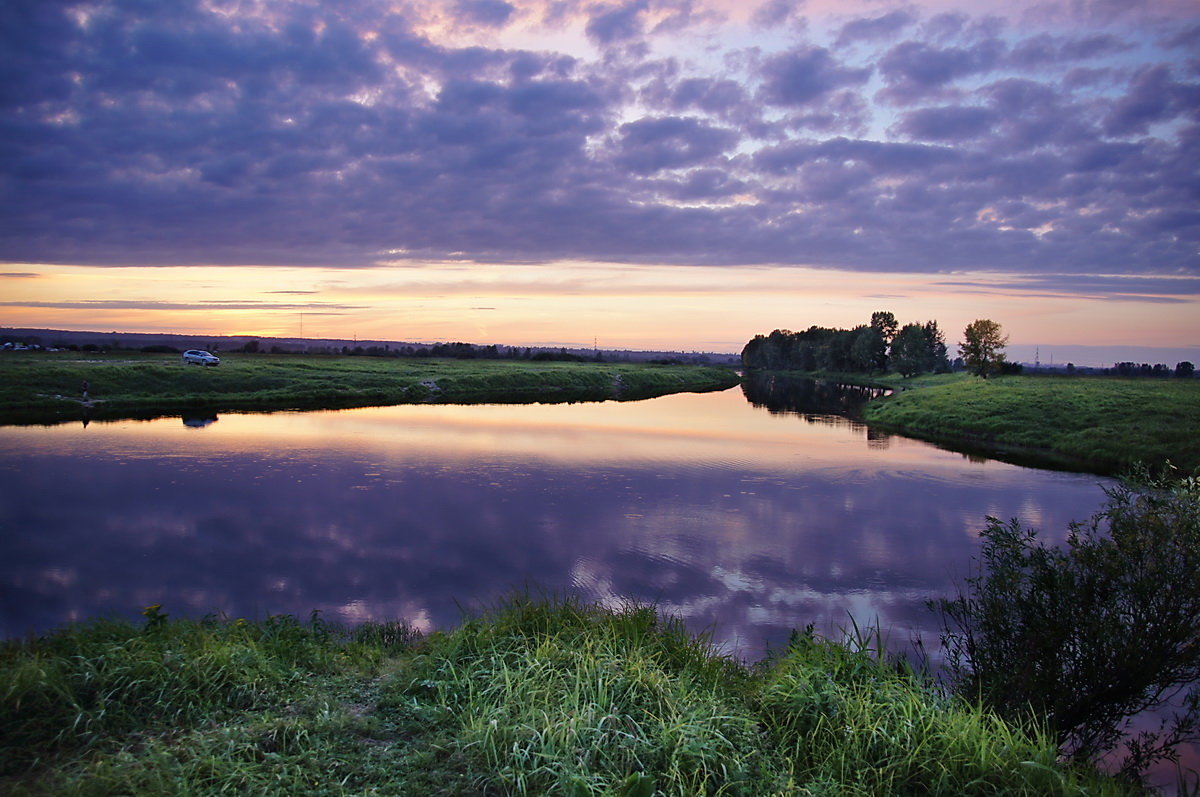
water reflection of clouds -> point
(389, 523)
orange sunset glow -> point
(673, 308)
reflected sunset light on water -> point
(747, 521)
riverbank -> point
(1088, 424)
(47, 387)
(534, 697)
(1099, 425)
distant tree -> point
(935, 347)
(1184, 370)
(754, 353)
(910, 352)
(981, 347)
(862, 349)
(885, 324)
(457, 350)
(868, 350)
(838, 354)
(804, 356)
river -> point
(746, 518)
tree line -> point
(465, 351)
(1183, 370)
(881, 345)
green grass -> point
(533, 697)
(46, 387)
(1097, 424)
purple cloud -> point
(805, 75)
(651, 145)
(1153, 96)
(874, 28)
(843, 112)
(303, 134)
(490, 13)
(776, 13)
(717, 97)
(1043, 50)
(947, 123)
(1188, 38)
(1168, 289)
(616, 24)
(916, 70)
(882, 159)
(703, 184)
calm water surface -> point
(747, 521)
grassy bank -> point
(46, 387)
(532, 698)
(1095, 424)
(1084, 423)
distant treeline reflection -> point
(815, 399)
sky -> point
(654, 174)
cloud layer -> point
(654, 131)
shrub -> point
(1090, 636)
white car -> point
(198, 357)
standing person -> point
(85, 390)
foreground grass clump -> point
(541, 698)
(44, 387)
(1098, 424)
(533, 697)
(181, 706)
(73, 688)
